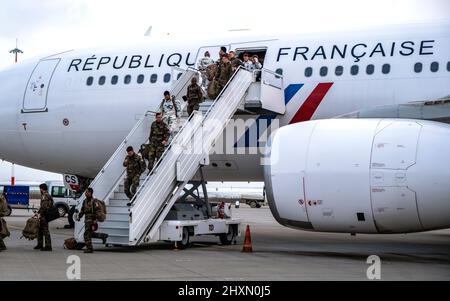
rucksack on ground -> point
(31, 229)
(100, 213)
(72, 244)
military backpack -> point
(100, 213)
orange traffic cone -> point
(247, 248)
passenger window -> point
(386, 68)
(114, 80)
(308, 72)
(101, 80)
(418, 67)
(166, 77)
(434, 67)
(339, 70)
(370, 69)
(354, 70)
(153, 78)
(90, 81)
(179, 75)
(127, 79)
(58, 191)
(140, 79)
(448, 66)
(323, 71)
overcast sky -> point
(51, 26)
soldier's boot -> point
(2, 245)
(105, 236)
(40, 243)
(48, 244)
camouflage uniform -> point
(158, 133)
(194, 97)
(3, 212)
(135, 166)
(224, 74)
(46, 203)
(90, 207)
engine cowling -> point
(360, 175)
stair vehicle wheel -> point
(8, 213)
(227, 238)
(62, 210)
(184, 242)
(253, 204)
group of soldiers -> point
(215, 75)
(44, 242)
(167, 123)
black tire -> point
(253, 204)
(184, 242)
(227, 238)
(9, 211)
(62, 210)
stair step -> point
(117, 209)
(118, 240)
(114, 231)
(117, 217)
(113, 224)
(116, 202)
(120, 196)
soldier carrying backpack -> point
(4, 232)
(93, 211)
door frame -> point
(45, 108)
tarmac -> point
(279, 253)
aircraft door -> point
(36, 92)
(213, 51)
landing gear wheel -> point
(227, 238)
(184, 242)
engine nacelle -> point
(360, 175)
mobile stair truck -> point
(154, 213)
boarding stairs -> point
(131, 223)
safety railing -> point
(160, 189)
(113, 171)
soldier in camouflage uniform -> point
(89, 209)
(224, 72)
(46, 203)
(3, 212)
(158, 139)
(194, 96)
(135, 165)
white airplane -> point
(67, 113)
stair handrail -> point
(147, 179)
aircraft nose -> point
(13, 81)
